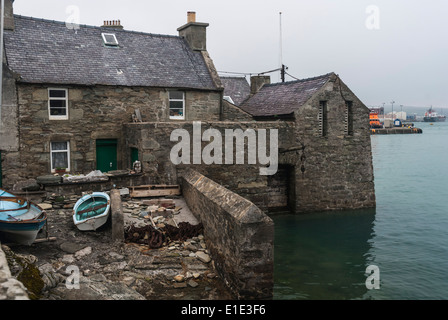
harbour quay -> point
(396, 130)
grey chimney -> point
(9, 15)
(194, 32)
(257, 82)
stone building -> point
(73, 97)
(327, 163)
(69, 89)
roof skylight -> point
(110, 39)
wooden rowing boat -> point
(91, 211)
(20, 219)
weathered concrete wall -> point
(239, 236)
(94, 113)
(333, 171)
(10, 287)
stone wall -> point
(94, 113)
(239, 236)
(9, 130)
(10, 287)
(153, 143)
(322, 173)
(333, 171)
(233, 113)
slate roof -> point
(283, 98)
(44, 51)
(237, 88)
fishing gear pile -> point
(156, 238)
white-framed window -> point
(110, 39)
(58, 104)
(60, 155)
(177, 105)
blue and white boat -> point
(20, 219)
(91, 211)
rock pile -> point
(55, 201)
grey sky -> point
(405, 60)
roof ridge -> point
(96, 27)
(299, 80)
(233, 77)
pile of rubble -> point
(158, 212)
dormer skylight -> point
(110, 39)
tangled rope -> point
(145, 235)
(154, 238)
(184, 231)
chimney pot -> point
(191, 16)
(116, 24)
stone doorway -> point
(281, 190)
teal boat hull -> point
(20, 220)
(91, 211)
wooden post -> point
(117, 216)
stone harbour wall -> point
(10, 288)
(240, 237)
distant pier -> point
(396, 130)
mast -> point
(282, 66)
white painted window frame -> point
(107, 43)
(53, 117)
(60, 151)
(183, 105)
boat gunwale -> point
(90, 196)
(37, 220)
(29, 204)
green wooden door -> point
(106, 154)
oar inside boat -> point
(91, 211)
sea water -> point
(325, 255)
